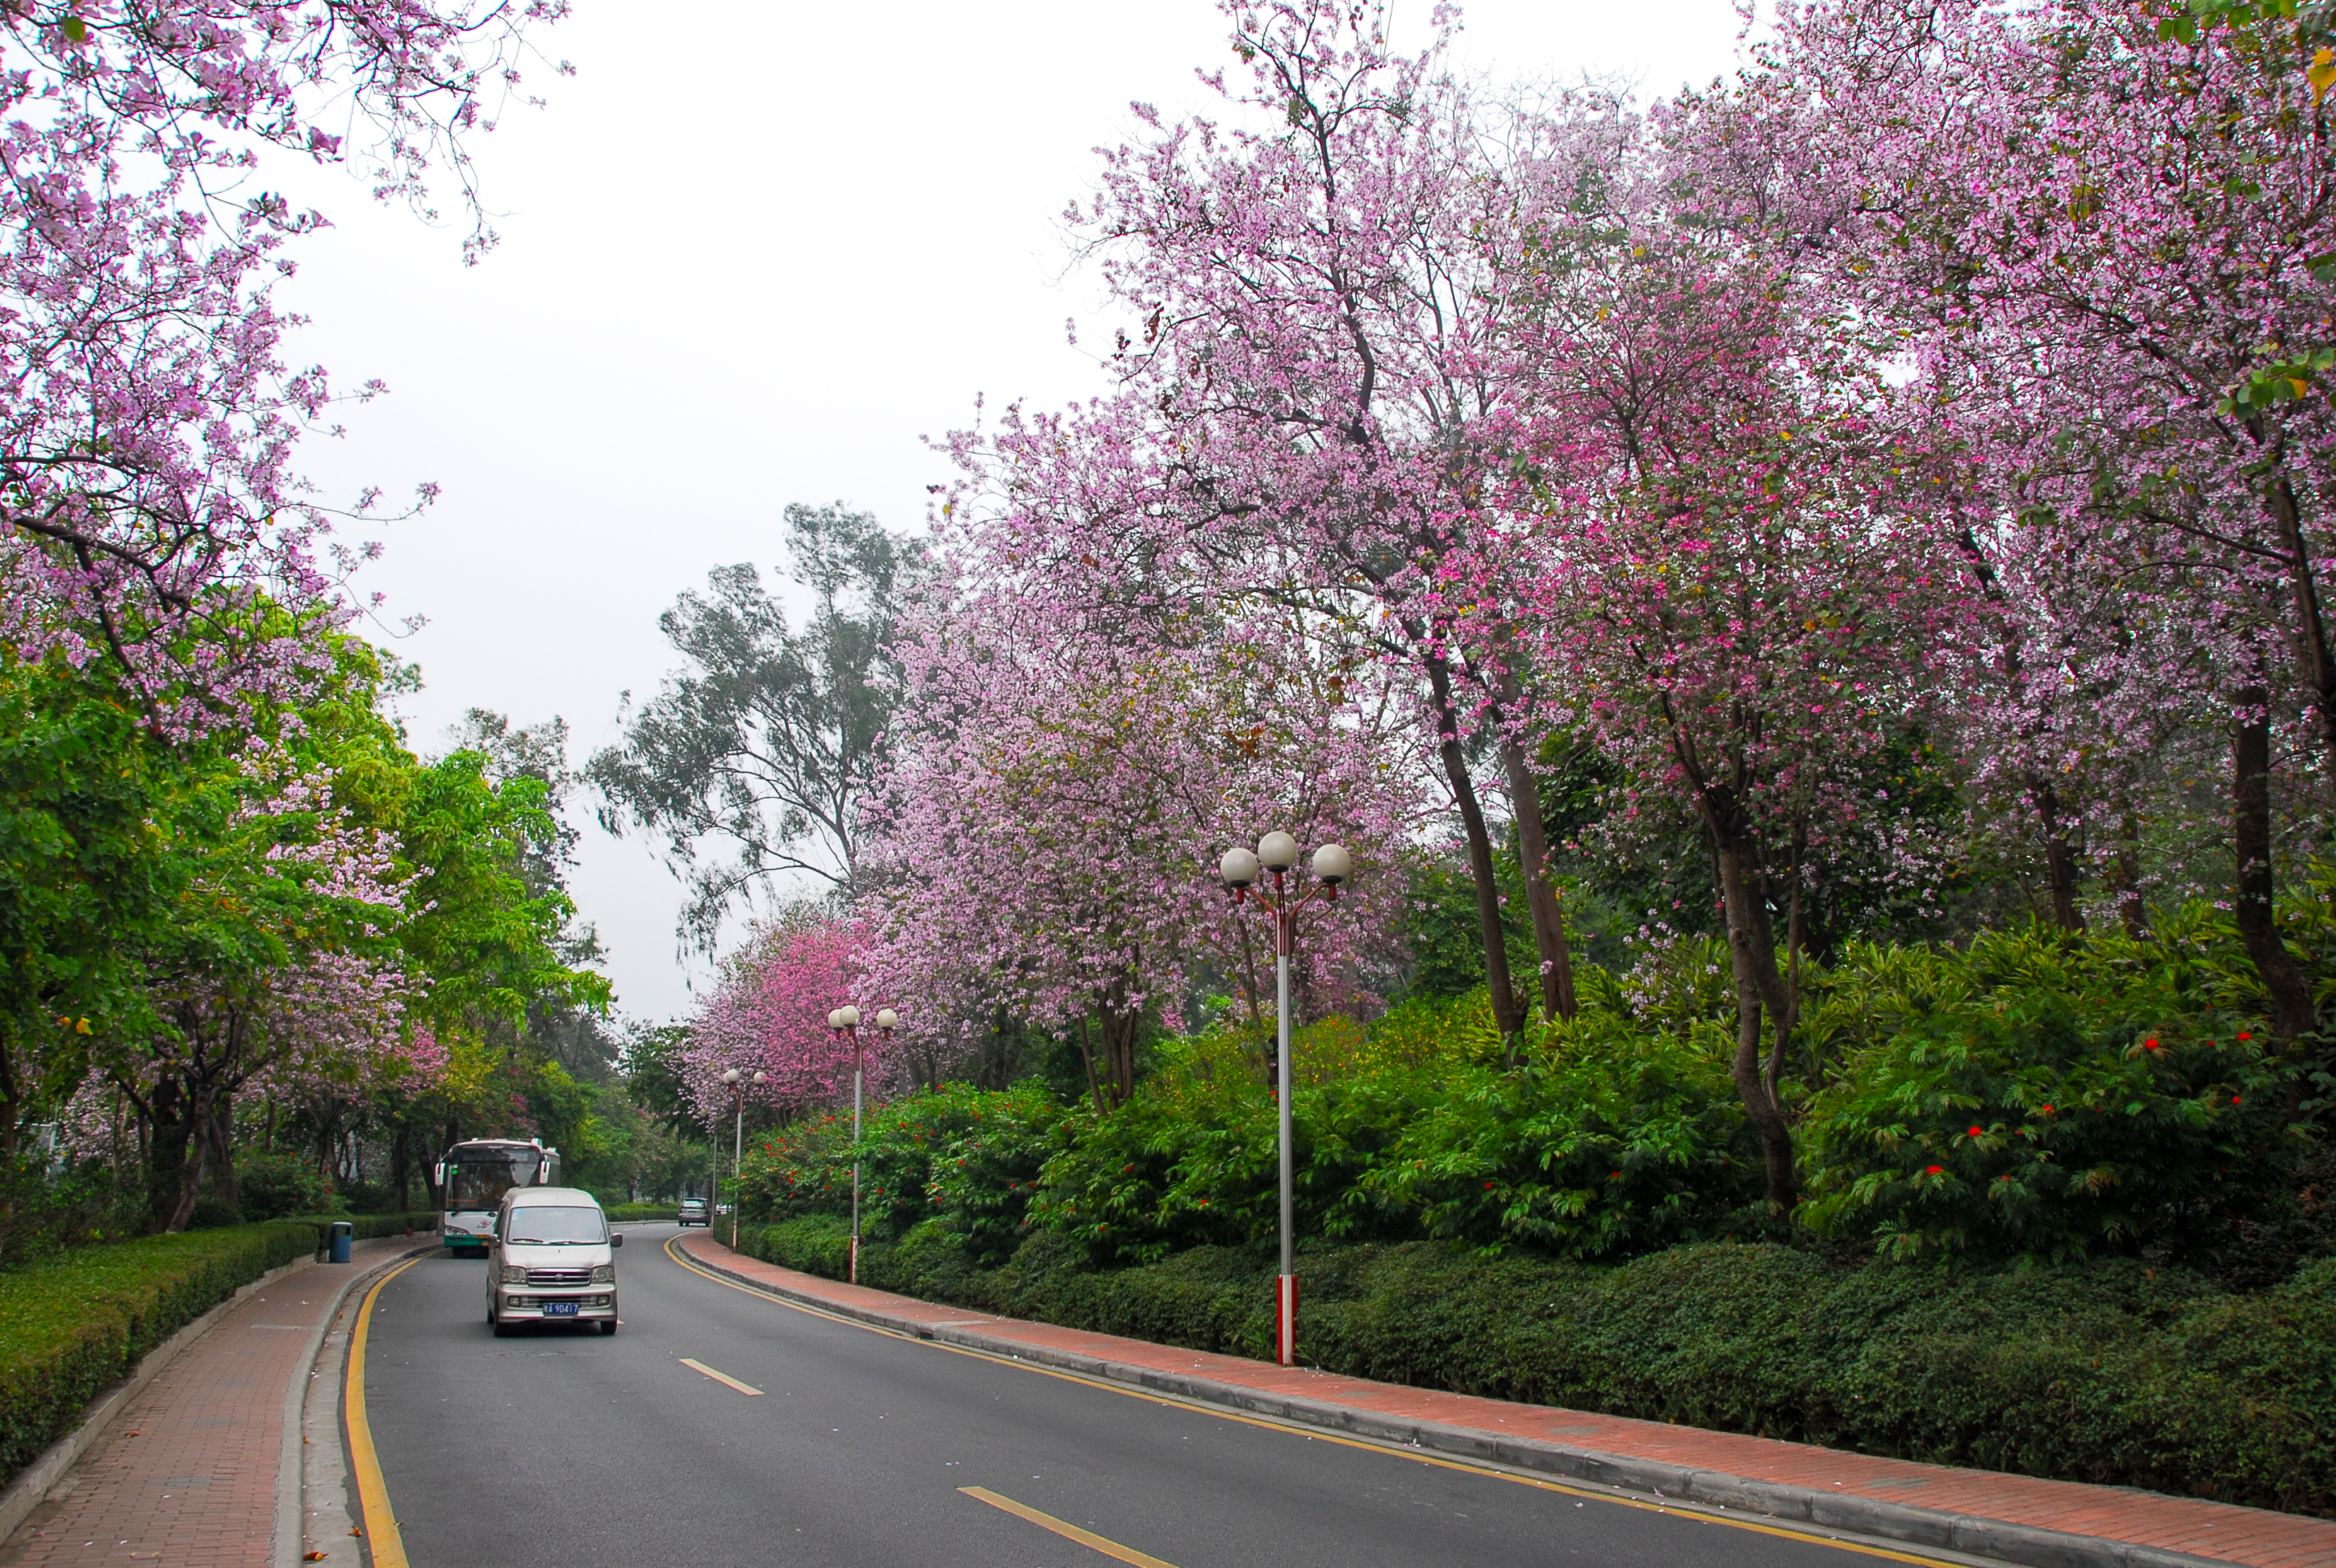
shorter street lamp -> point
(846, 1022)
(1277, 852)
(737, 1084)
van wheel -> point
(608, 1328)
(502, 1330)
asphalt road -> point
(558, 1447)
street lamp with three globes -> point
(845, 1021)
(1276, 855)
(737, 1083)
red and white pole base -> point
(1285, 1319)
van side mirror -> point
(615, 1238)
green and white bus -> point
(472, 1178)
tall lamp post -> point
(846, 1022)
(1277, 853)
(737, 1083)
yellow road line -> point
(387, 1546)
(1065, 1528)
(696, 1365)
(1671, 1506)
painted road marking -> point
(1065, 1528)
(1672, 1506)
(382, 1542)
(697, 1366)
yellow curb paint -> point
(1065, 1528)
(1298, 1429)
(388, 1547)
(696, 1365)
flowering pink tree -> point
(147, 504)
(1711, 548)
(1312, 402)
(1061, 786)
(2102, 233)
(769, 1015)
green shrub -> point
(2049, 1096)
(72, 1325)
(370, 1227)
(639, 1210)
(2109, 1371)
(1604, 1144)
(814, 1243)
(961, 1154)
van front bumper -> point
(513, 1301)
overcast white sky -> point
(751, 257)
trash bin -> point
(343, 1233)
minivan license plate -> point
(559, 1309)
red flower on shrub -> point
(2235, 1099)
(2048, 1110)
(1935, 1171)
(2244, 1035)
(2151, 1045)
(1976, 1133)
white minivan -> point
(553, 1261)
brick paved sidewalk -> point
(1980, 1502)
(188, 1473)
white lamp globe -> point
(730, 1075)
(1238, 868)
(835, 1019)
(886, 1018)
(762, 1077)
(1333, 864)
(848, 1016)
(1277, 851)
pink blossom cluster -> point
(148, 507)
(768, 1016)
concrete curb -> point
(290, 1471)
(2027, 1545)
(32, 1484)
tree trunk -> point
(2125, 872)
(430, 1180)
(168, 1133)
(2315, 664)
(190, 1172)
(1497, 980)
(1094, 1084)
(220, 1127)
(1540, 893)
(1752, 960)
(401, 1174)
(2059, 854)
(2291, 1000)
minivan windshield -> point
(549, 1227)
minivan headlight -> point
(513, 1274)
(605, 1274)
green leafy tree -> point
(767, 741)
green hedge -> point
(369, 1227)
(641, 1210)
(2108, 1372)
(70, 1326)
(74, 1324)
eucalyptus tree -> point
(751, 762)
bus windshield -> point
(478, 1178)
(560, 1227)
